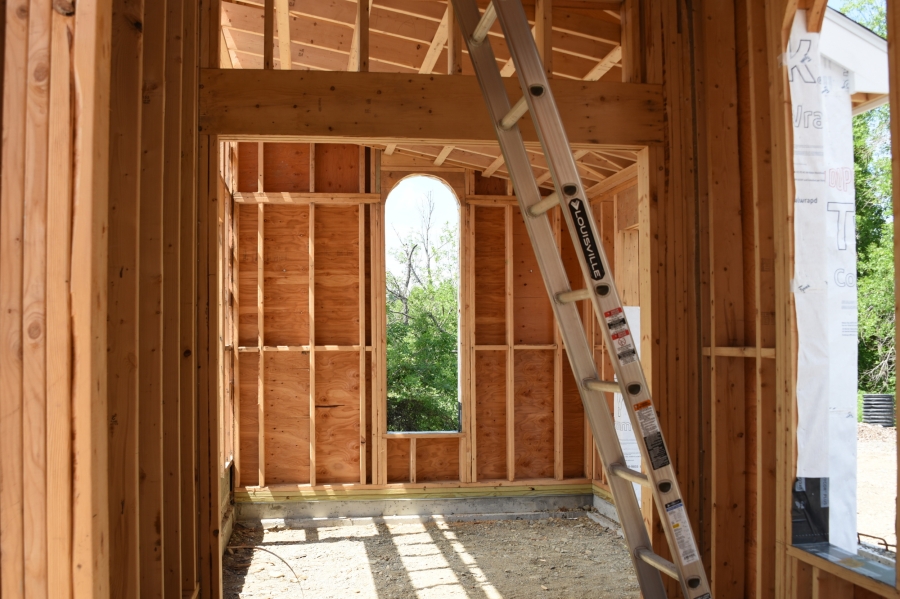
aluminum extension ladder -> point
(569, 193)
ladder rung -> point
(515, 113)
(608, 386)
(485, 24)
(544, 205)
(629, 474)
(567, 297)
(660, 563)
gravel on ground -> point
(876, 481)
(555, 558)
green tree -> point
(422, 325)
(874, 226)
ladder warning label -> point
(615, 320)
(588, 244)
(624, 345)
(684, 538)
(656, 449)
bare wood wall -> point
(308, 269)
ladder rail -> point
(571, 328)
(636, 392)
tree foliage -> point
(874, 227)
(422, 325)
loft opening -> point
(422, 275)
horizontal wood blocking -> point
(740, 352)
(492, 488)
(287, 104)
(306, 198)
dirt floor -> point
(505, 559)
(876, 481)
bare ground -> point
(876, 481)
(508, 559)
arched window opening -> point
(422, 280)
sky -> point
(404, 209)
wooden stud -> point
(34, 302)
(235, 336)
(312, 168)
(260, 179)
(312, 344)
(171, 301)
(150, 373)
(90, 518)
(58, 322)
(190, 575)
(269, 34)
(557, 374)
(412, 460)
(363, 441)
(362, 174)
(510, 352)
(260, 334)
(12, 211)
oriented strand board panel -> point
(248, 166)
(437, 459)
(628, 274)
(627, 208)
(533, 315)
(286, 167)
(337, 275)
(249, 416)
(570, 263)
(490, 275)
(286, 288)
(534, 413)
(573, 425)
(337, 168)
(247, 275)
(287, 417)
(398, 461)
(489, 186)
(337, 417)
(490, 414)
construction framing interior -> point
(192, 304)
